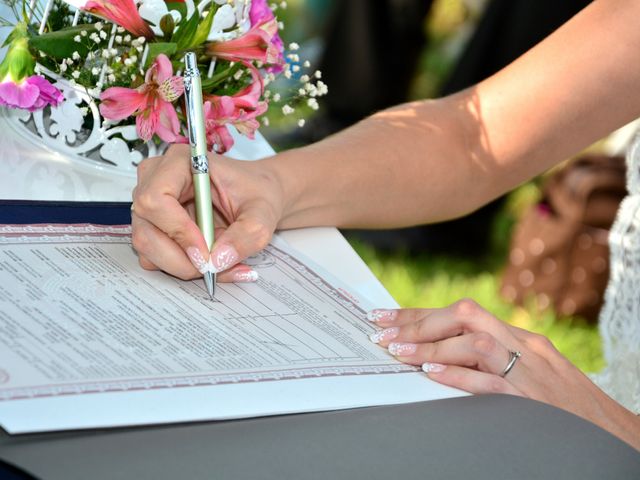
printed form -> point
(89, 339)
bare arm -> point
(434, 160)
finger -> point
(247, 235)
(158, 200)
(479, 350)
(146, 264)
(239, 274)
(156, 249)
(398, 316)
(437, 324)
(469, 380)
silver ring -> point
(513, 358)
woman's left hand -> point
(466, 347)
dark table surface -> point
(492, 437)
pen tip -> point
(210, 283)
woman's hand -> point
(248, 206)
(466, 347)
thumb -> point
(246, 236)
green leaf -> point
(186, 31)
(156, 48)
(209, 83)
(60, 44)
(204, 28)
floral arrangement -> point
(126, 56)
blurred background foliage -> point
(425, 279)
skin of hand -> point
(465, 347)
(165, 234)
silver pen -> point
(199, 162)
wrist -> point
(289, 185)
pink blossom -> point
(259, 43)
(32, 93)
(259, 13)
(151, 102)
(239, 110)
(122, 12)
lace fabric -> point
(620, 316)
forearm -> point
(385, 171)
(430, 161)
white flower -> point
(103, 34)
(77, 39)
(265, 121)
(63, 67)
(127, 38)
(276, 97)
(75, 56)
(99, 25)
(111, 78)
(287, 73)
(95, 71)
(294, 46)
(287, 110)
(304, 78)
(224, 19)
(295, 68)
(76, 74)
(322, 88)
(318, 74)
(306, 64)
(153, 10)
(301, 122)
(313, 103)
(77, 3)
(302, 92)
(83, 33)
(118, 39)
(283, 5)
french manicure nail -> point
(433, 367)
(223, 257)
(198, 260)
(386, 334)
(245, 276)
(381, 314)
(402, 349)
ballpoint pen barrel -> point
(199, 162)
(204, 214)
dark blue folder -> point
(29, 211)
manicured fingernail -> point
(381, 314)
(198, 260)
(433, 367)
(245, 276)
(223, 257)
(402, 349)
(386, 334)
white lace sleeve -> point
(620, 316)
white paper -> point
(89, 339)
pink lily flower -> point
(122, 12)
(31, 93)
(257, 44)
(151, 102)
(259, 13)
(239, 110)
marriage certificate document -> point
(89, 339)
